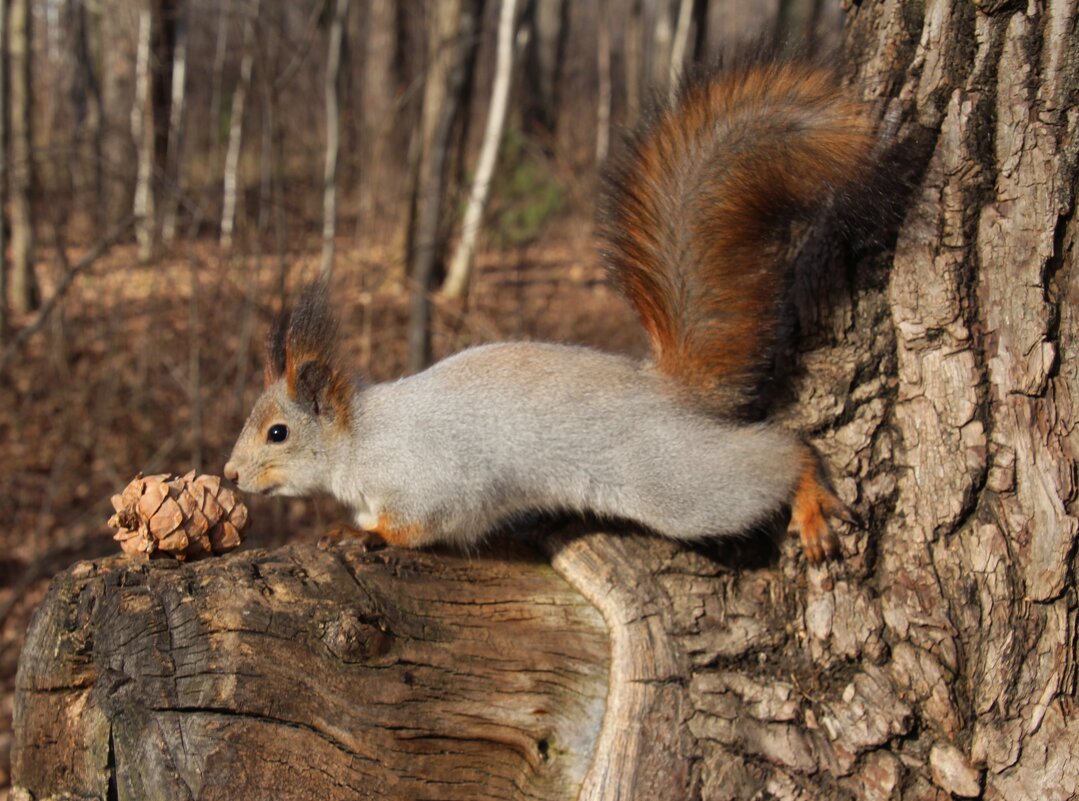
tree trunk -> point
(89, 108)
(119, 176)
(453, 36)
(142, 131)
(662, 44)
(24, 290)
(333, 135)
(304, 674)
(174, 169)
(547, 20)
(937, 371)
(3, 170)
(457, 278)
(236, 126)
(379, 194)
(603, 71)
(680, 45)
(633, 54)
(217, 78)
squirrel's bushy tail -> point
(699, 207)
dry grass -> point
(152, 368)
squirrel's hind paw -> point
(813, 503)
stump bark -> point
(306, 674)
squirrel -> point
(697, 215)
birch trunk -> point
(142, 131)
(333, 136)
(460, 269)
(24, 290)
(236, 126)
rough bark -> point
(24, 290)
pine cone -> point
(187, 517)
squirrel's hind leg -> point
(812, 504)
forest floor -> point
(152, 367)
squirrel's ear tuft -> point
(312, 374)
(274, 368)
(314, 384)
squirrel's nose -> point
(231, 473)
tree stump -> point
(308, 674)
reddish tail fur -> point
(699, 212)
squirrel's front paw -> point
(813, 503)
(340, 535)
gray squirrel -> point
(697, 214)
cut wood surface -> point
(300, 673)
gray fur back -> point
(504, 429)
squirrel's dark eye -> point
(277, 433)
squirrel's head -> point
(302, 416)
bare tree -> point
(460, 268)
(236, 125)
(333, 135)
(452, 38)
(662, 36)
(142, 131)
(86, 98)
(117, 167)
(174, 172)
(603, 68)
(221, 42)
(546, 20)
(24, 289)
(633, 54)
(681, 43)
(377, 189)
(3, 168)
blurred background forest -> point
(173, 170)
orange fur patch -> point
(812, 503)
(396, 533)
